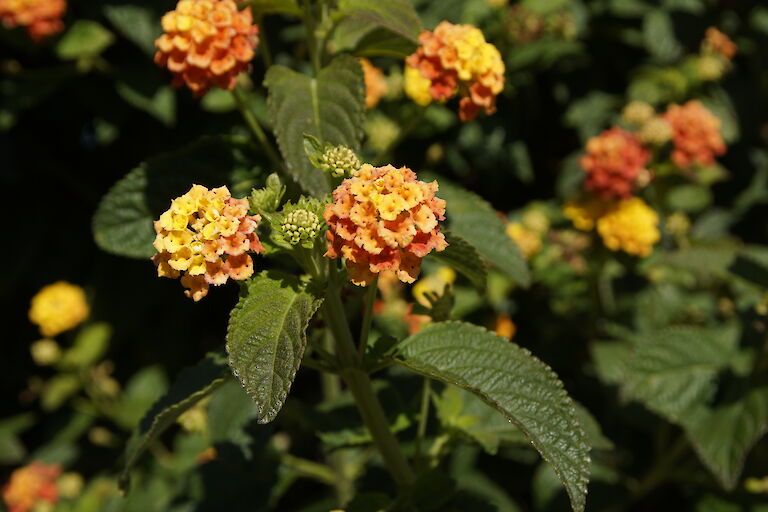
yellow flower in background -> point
(435, 283)
(528, 241)
(630, 226)
(417, 87)
(583, 212)
(58, 307)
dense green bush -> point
(593, 336)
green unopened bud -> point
(70, 485)
(300, 226)
(678, 224)
(339, 161)
(656, 132)
(45, 352)
(267, 199)
(382, 132)
(637, 113)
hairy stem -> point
(359, 384)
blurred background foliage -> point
(82, 109)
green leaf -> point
(473, 219)
(329, 107)
(143, 389)
(136, 23)
(723, 436)
(159, 103)
(267, 336)
(192, 385)
(659, 35)
(673, 371)
(510, 379)
(261, 7)
(229, 413)
(85, 38)
(464, 258)
(397, 16)
(12, 450)
(610, 358)
(90, 345)
(466, 413)
(123, 221)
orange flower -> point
(42, 18)
(206, 234)
(375, 85)
(456, 59)
(613, 162)
(715, 42)
(206, 43)
(382, 219)
(695, 133)
(30, 485)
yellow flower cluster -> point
(630, 226)
(206, 234)
(435, 283)
(58, 307)
(527, 240)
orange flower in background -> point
(206, 234)
(456, 59)
(613, 163)
(41, 18)
(715, 42)
(206, 43)
(382, 219)
(504, 326)
(375, 85)
(695, 134)
(30, 485)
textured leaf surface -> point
(397, 16)
(673, 370)
(723, 436)
(123, 221)
(464, 258)
(507, 377)
(329, 107)
(473, 219)
(192, 385)
(266, 339)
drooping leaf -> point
(397, 16)
(123, 221)
(673, 371)
(473, 219)
(464, 258)
(192, 385)
(138, 24)
(85, 38)
(266, 338)
(723, 436)
(510, 379)
(330, 107)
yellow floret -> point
(630, 226)
(417, 87)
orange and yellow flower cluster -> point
(382, 219)
(206, 43)
(613, 163)
(41, 18)
(629, 225)
(456, 59)
(716, 42)
(695, 134)
(31, 485)
(206, 234)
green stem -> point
(309, 23)
(426, 392)
(365, 331)
(359, 384)
(255, 127)
(309, 469)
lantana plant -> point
(317, 238)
